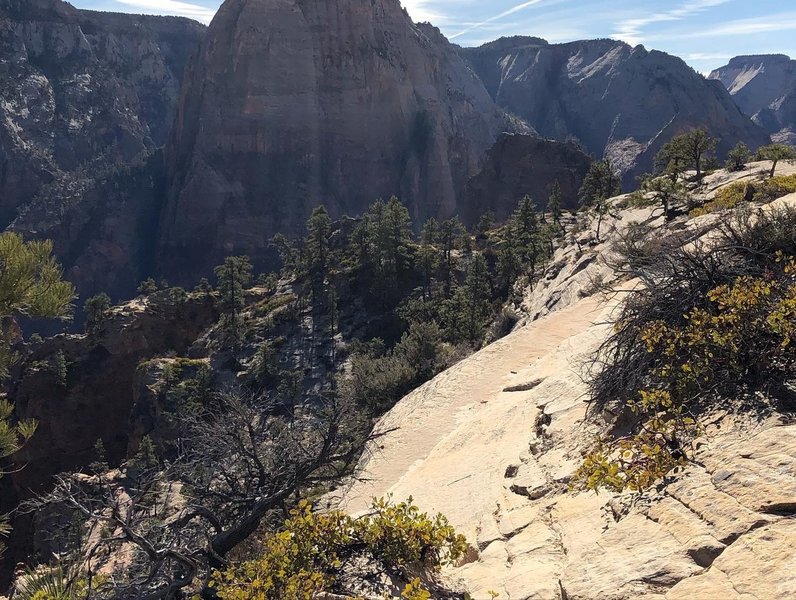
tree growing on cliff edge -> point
(776, 153)
(738, 157)
(600, 184)
(554, 202)
(686, 151)
(31, 285)
(233, 276)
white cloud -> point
(171, 7)
(632, 30)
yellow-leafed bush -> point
(743, 339)
(309, 554)
(755, 191)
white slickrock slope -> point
(497, 463)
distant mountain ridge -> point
(764, 87)
(615, 100)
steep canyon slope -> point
(764, 87)
(85, 99)
(617, 101)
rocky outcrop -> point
(81, 388)
(764, 87)
(617, 101)
(83, 95)
(296, 103)
(523, 164)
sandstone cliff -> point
(764, 87)
(297, 103)
(617, 101)
(82, 95)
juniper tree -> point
(776, 153)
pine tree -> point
(450, 234)
(776, 153)
(473, 300)
(233, 276)
(428, 255)
(554, 202)
(524, 234)
(96, 311)
(688, 150)
(738, 157)
(319, 228)
(31, 285)
(600, 184)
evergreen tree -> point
(471, 305)
(233, 276)
(776, 153)
(428, 256)
(554, 202)
(688, 150)
(450, 234)
(319, 227)
(524, 234)
(147, 287)
(601, 183)
(96, 310)
(31, 285)
(738, 157)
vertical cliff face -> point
(296, 103)
(83, 95)
(764, 87)
(522, 164)
(617, 101)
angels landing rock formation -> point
(296, 103)
(764, 87)
(616, 100)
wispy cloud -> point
(503, 15)
(632, 30)
(171, 7)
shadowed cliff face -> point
(296, 103)
(764, 87)
(522, 164)
(618, 101)
(83, 96)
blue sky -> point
(706, 33)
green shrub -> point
(736, 193)
(740, 341)
(308, 555)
